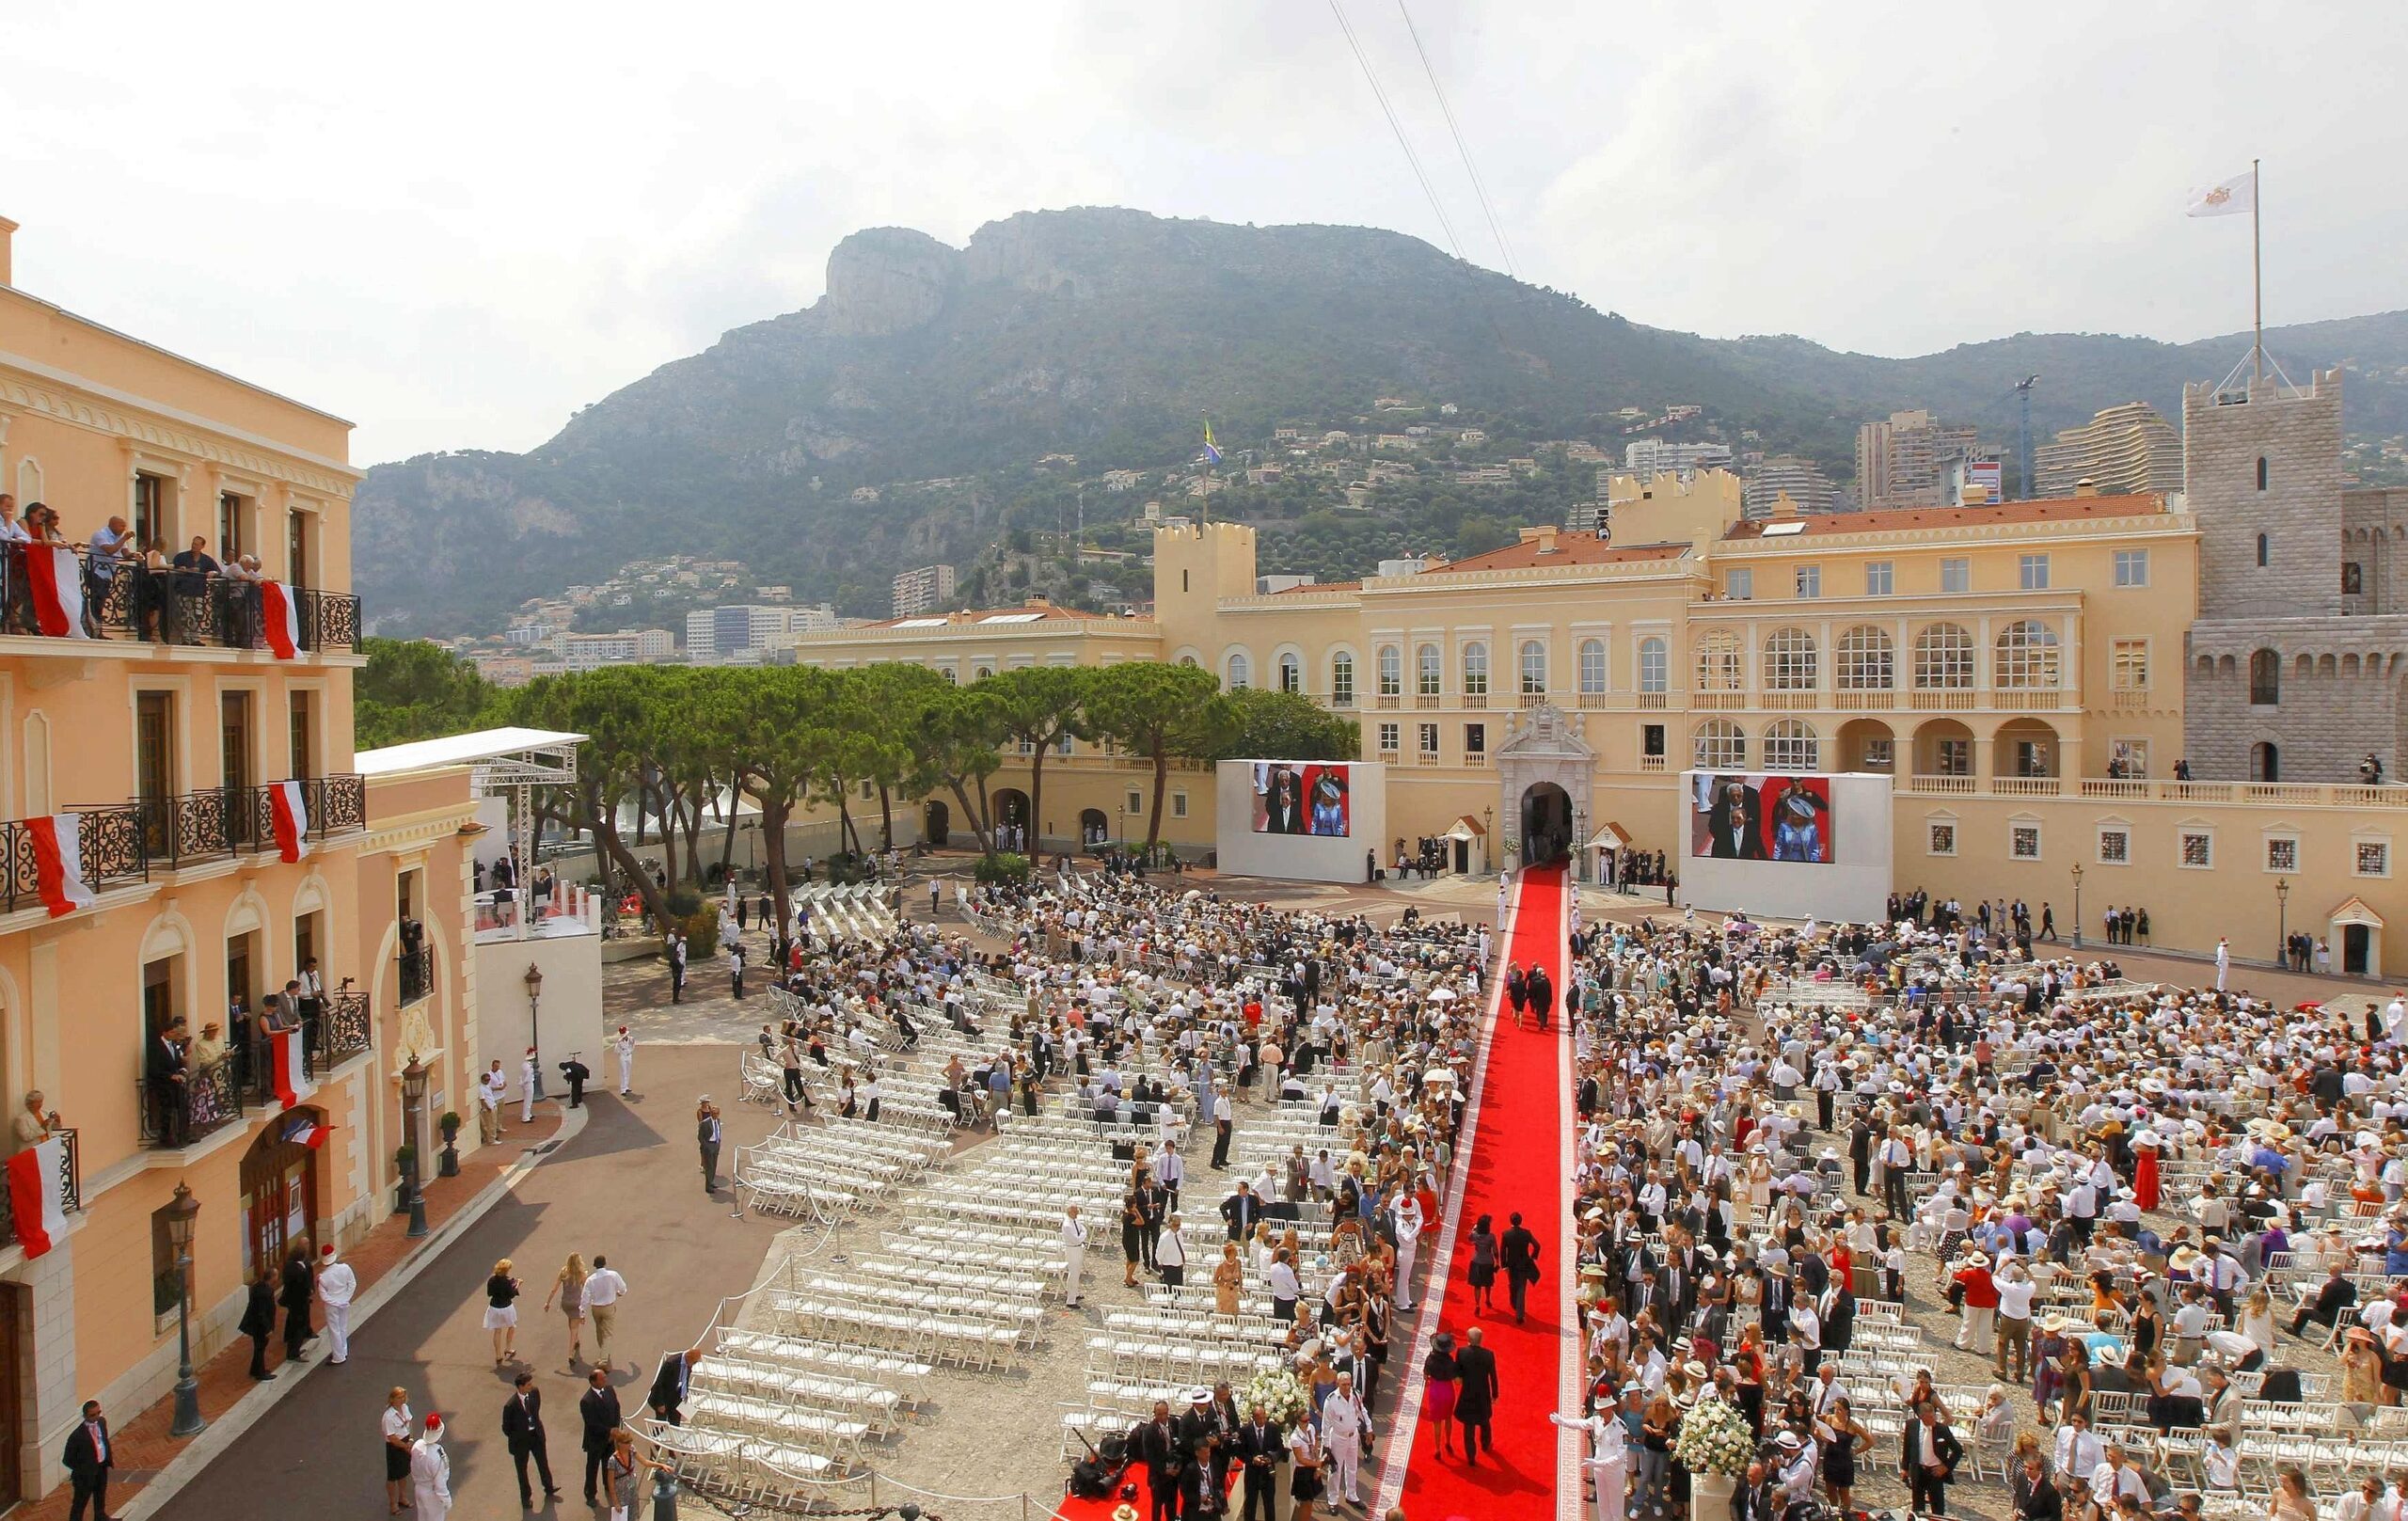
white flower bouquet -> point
(1281, 1395)
(1715, 1438)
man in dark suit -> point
(1757, 1496)
(666, 1397)
(299, 1288)
(1733, 824)
(163, 1075)
(1476, 1397)
(1262, 1448)
(1157, 1445)
(708, 1135)
(1206, 1436)
(599, 1410)
(1837, 1311)
(1517, 1253)
(522, 1427)
(1153, 1202)
(1241, 1209)
(2338, 1294)
(1284, 803)
(1927, 1458)
(1541, 991)
(2036, 1496)
(90, 1456)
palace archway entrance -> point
(1543, 770)
(1546, 824)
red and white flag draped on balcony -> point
(281, 616)
(33, 1194)
(292, 1082)
(59, 863)
(292, 820)
(56, 578)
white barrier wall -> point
(1301, 858)
(1853, 885)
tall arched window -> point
(2262, 472)
(1426, 670)
(1533, 668)
(1792, 746)
(1391, 670)
(1341, 679)
(1654, 665)
(2265, 678)
(1792, 663)
(1719, 661)
(1292, 672)
(1241, 671)
(1593, 665)
(1866, 660)
(1722, 746)
(2026, 656)
(1944, 658)
(1475, 669)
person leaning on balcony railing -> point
(243, 580)
(150, 613)
(34, 1125)
(164, 1074)
(111, 549)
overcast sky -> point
(455, 224)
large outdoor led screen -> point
(1303, 797)
(1751, 816)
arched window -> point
(1391, 670)
(1719, 661)
(2026, 656)
(1241, 671)
(2262, 472)
(1593, 665)
(2265, 762)
(1341, 679)
(1792, 663)
(1475, 669)
(1867, 661)
(1944, 658)
(1291, 673)
(1533, 668)
(1791, 746)
(2262, 551)
(1425, 674)
(1654, 665)
(950, 680)
(2265, 678)
(1722, 746)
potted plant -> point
(404, 1159)
(448, 1164)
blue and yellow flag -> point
(1212, 450)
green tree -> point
(1159, 711)
(1035, 707)
(1279, 725)
(609, 708)
(411, 689)
(958, 734)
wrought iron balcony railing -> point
(128, 600)
(192, 1105)
(109, 843)
(68, 1184)
(342, 1029)
(417, 971)
(194, 828)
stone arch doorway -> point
(279, 1184)
(1546, 823)
(1094, 828)
(1544, 748)
(937, 827)
(1011, 819)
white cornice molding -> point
(44, 390)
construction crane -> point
(2023, 437)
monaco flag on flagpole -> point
(56, 579)
(33, 1194)
(292, 1082)
(2230, 199)
(292, 820)
(58, 844)
(280, 617)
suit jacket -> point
(1159, 1447)
(668, 1392)
(1476, 1394)
(1839, 1322)
(79, 1457)
(1813, 1274)
(707, 1131)
(1760, 1502)
(2039, 1501)
(1943, 1443)
(1267, 1443)
(162, 1059)
(522, 1422)
(298, 1286)
(599, 1409)
(1240, 1211)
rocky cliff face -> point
(887, 281)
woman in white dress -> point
(431, 1472)
(1608, 1461)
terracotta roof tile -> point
(1570, 549)
(1904, 520)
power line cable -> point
(1479, 186)
(1397, 127)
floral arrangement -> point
(1281, 1395)
(1715, 1438)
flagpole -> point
(2257, 282)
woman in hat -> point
(2145, 1183)
(1438, 1378)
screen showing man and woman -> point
(1302, 798)
(1756, 817)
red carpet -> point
(1516, 1164)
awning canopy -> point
(1609, 836)
(500, 755)
(2354, 910)
(1466, 827)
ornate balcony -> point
(69, 1183)
(416, 973)
(342, 1029)
(110, 841)
(130, 601)
(177, 1112)
(196, 828)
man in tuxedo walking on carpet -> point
(1476, 1397)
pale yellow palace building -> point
(157, 742)
(2020, 671)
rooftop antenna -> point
(2023, 437)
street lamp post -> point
(1488, 842)
(1579, 844)
(2077, 905)
(413, 1101)
(180, 1216)
(2282, 919)
(535, 980)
